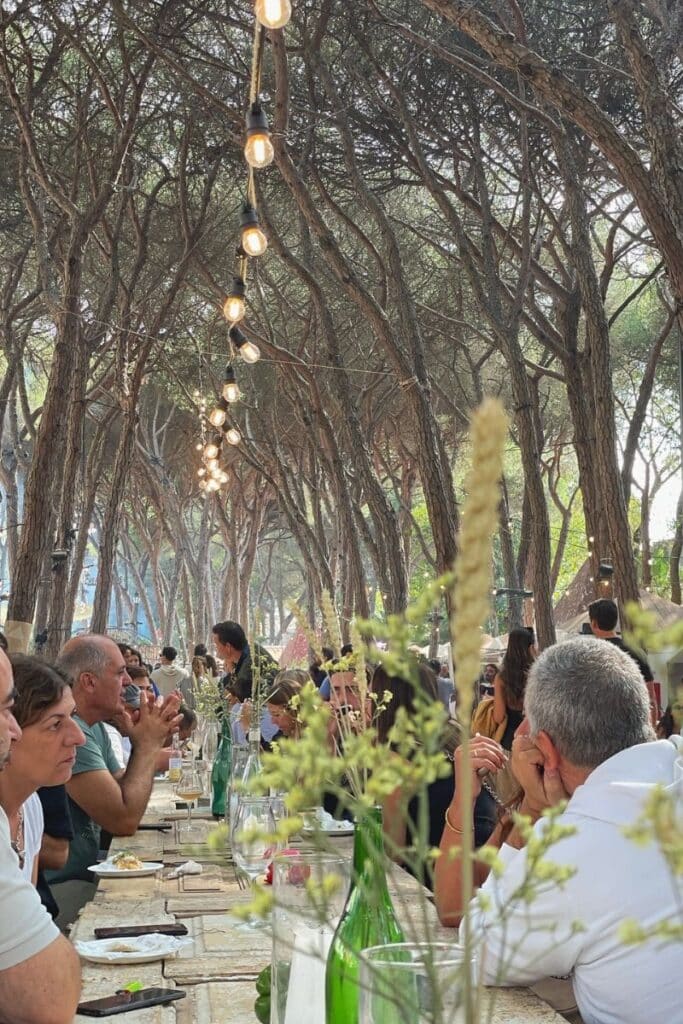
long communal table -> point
(218, 969)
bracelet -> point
(449, 825)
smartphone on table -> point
(123, 1002)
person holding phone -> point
(35, 960)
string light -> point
(258, 153)
(254, 240)
(258, 149)
(250, 352)
(231, 392)
(234, 305)
(217, 415)
(273, 13)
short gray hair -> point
(83, 654)
(590, 698)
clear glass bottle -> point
(175, 761)
(368, 919)
(253, 766)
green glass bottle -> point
(220, 772)
(368, 919)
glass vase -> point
(252, 768)
(309, 893)
(413, 983)
(239, 760)
(368, 919)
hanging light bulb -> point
(199, 446)
(258, 149)
(217, 415)
(250, 352)
(211, 465)
(231, 392)
(215, 473)
(222, 477)
(254, 241)
(202, 485)
(201, 471)
(273, 13)
(211, 450)
(233, 307)
(233, 436)
(212, 485)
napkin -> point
(190, 867)
(306, 988)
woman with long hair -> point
(509, 683)
(403, 811)
(286, 685)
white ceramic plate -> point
(109, 870)
(141, 950)
(338, 828)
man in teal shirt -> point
(101, 794)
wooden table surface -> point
(218, 969)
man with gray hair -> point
(102, 795)
(587, 739)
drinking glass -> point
(412, 983)
(252, 838)
(309, 893)
(189, 788)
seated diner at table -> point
(44, 756)
(35, 960)
(101, 794)
(403, 809)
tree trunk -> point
(675, 556)
(112, 518)
(49, 449)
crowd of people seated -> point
(81, 740)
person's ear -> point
(551, 756)
(87, 680)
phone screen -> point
(122, 1002)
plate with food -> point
(125, 865)
(329, 828)
(141, 950)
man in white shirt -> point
(587, 736)
(40, 976)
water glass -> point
(252, 842)
(309, 893)
(412, 983)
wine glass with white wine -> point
(189, 788)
